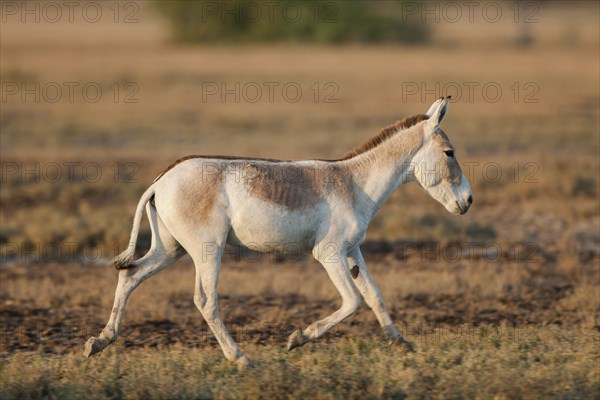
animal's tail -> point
(125, 259)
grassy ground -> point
(540, 293)
(481, 329)
(556, 363)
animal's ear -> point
(437, 111)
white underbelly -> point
(264, 227)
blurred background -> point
(99, 97)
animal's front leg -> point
(336, 266)
(366, 286)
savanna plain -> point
(502, 302)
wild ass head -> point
(435, 167)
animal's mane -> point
(385, 134)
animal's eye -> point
(449, 153)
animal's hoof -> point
(93, 346)
(404, 346)
(244, 362)
(296, 339)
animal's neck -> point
(380, 170)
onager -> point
(201, 203)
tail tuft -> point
(123, 260)
(121, 264)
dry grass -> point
(552, 363)
(49, 310)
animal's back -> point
(279, 206)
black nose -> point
(470, 199)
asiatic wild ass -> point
(200, 203)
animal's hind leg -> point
(336, 266)
(164, 251)
(207, 260)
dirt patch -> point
(65, 313)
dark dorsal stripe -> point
(182, 159)
(373, 142)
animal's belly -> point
(269, 229)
